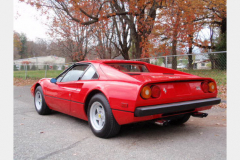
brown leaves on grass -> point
(221, 105)
(222, 92)
(24, 82)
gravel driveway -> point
(58, 136)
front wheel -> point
(39, 101)
(100, 117)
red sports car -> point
(111, 93)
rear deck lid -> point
(162, 77)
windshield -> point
(129, 67)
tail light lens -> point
(146, 92)
(212, 87)
(205, 86)
(155, 91)
(208, 87)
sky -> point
(27, 19)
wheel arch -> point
(38, 84)
(42, 83)
(33, 89)
(89, 96)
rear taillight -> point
(155, 91)
(208, 87)
(212, 87)
(205, 86)
(146, 92)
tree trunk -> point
(190, 61)
(174, 41)
(174, 52)
(212, 62)
(190, 48)
(138, 48)
(224, 26)
(125, 53)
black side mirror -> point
(53, 80)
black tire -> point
(182, 119)
(42, 108)
(110, 127)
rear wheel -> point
(180, 120)
(39, 101)
(100, 117)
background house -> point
(202, 61)
(40, 62)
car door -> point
(58, 95)
(88, 79)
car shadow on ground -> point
(149, 129)
(140, 129)
(68, 117)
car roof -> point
(112, 61)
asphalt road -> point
(58, 136)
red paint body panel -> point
(77, 110)
(123, 117)
(176, 92)
(123, 90)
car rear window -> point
(129, 67)
(90, 74)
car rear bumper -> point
(175, 107)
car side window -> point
(74, 74)
(59, 78)
(90, 74)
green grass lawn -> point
(218, 75)
(37, 74)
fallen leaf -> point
(24, 82)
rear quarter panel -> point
(116, 92)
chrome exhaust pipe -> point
(162, 122)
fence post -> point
(25, 71)
(166, 65)
(46, 70)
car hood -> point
(163, 77)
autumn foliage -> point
(133, 29)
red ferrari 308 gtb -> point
(111, 93)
